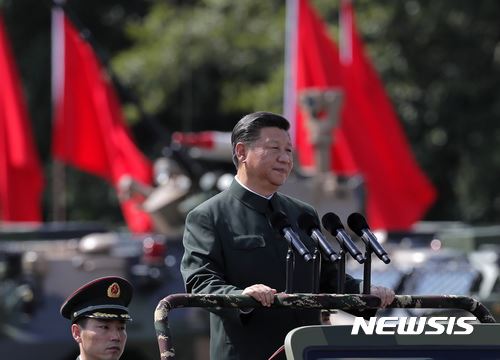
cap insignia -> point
(114, 290)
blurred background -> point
(201, 65)
(184, 73)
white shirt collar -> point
(247, 188)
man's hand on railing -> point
(262, 293)
(386, 295)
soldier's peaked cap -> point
(102, 298)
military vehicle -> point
(40, 267)
(337, 342)
(473, 337)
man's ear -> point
(241, 152)
(76, 331)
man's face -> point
(268, 161)
(101, 339)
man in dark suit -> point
(230, 247)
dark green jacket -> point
(230, 245)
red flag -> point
(370, 140)
(89, 128)
(398, 191)
(21, 177)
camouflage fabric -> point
(305, 301)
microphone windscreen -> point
(357, 223)
(279, 220)
(307, 222)
(331, 222)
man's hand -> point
(262, 293)
(386, 295)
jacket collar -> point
(253, 200)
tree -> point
(200, 66)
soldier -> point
(99, 312)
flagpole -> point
(345, 35)
(289, 88)
(59, 193)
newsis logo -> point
(436, 325)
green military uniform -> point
(230, 245)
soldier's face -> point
(269, 160)
(101, 339)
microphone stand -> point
(367, 270)
(316, 260)
(290, 264)
(341, 272)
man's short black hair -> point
(247, 130)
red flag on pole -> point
(369, 140)
(398, 191)
(21, 177)
(89, 128)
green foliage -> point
(196, 62)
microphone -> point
(279, 221)
(332, 223)
(358, 224)
(310, 226)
